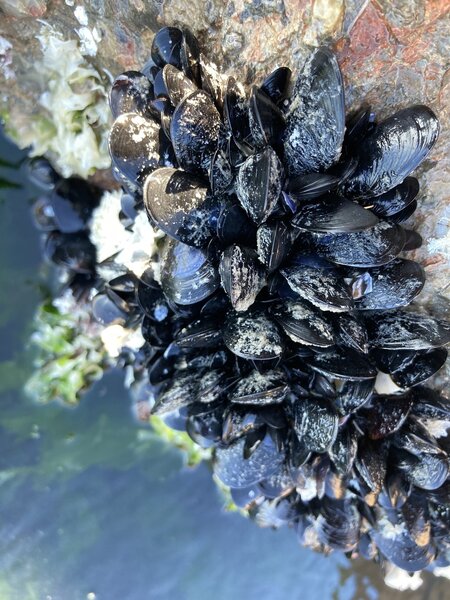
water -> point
(94, 507)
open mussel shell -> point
(252, 335)
(273, 243)
(407, 331)
(392, 286)
(260, 389)
(234, 470)
(369, 248)
(315, 123)
(187, 276)
(410, 367)
(276, 85)
(338, 524)
(342, 363)
(394, 201)
(194, 131)
(395, 543)
(134, 145)
(303, 323)
(131, 92)
(315, 423)
(265, 118)
(166, 47)
(322, 287)
(180, 205)
(176, 83)
(242, 276)
(259, 183)
(396, 147)
(336, 215)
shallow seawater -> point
(95, 507)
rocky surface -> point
(392, 53)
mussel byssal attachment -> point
(281, 308)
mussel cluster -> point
(63, 212)
(276, 326)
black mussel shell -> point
(74, 251)
(41, 173)
(410, 367)
(393, 286)
(370, 463)
(413, 240)
(178, 86)
(252, 335)
(315, 423)
(234, 470)
(352, 394)
(166, 47)
(187, 276)
(310, 186)
(351, 332)
(394, 201)
(259, 183)
(338, 524)
(194, 131)
(276, 84)
(202, 333)
(180, 392)
(344, 449)
(303, 323)
(242, 276)
(424, 470)
(396, 147)
(180, 205)
(237, 116)
(342, 363)
(333, 216)
(131, 92)
(358, 126)
(265, 118)
(234, 226)
(315, 123)
(273, 243)
(322, 287)
(385, 415)
(407, 331)
(370, 248)
(71, 202)
(134, 145)
(106, 312)
(428, 404)
(190, 57)
(260, 389)
(220, 174)
(396, 545)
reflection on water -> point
(94, 507)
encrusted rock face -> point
(392, 53)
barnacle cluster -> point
(275, 313)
